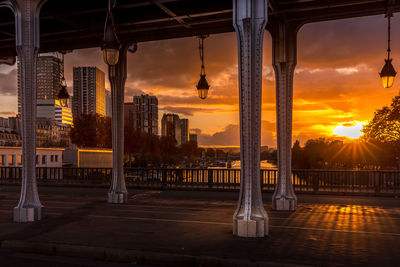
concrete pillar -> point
(284, 43)
(249, 21)
(27, 35)
(117, 76)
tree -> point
(189, 149)
(210, 153)
(91, 130)
(385, 125)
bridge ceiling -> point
(75, 24)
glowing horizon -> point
(352, 130)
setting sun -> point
(349, 129)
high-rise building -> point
(108, 103)
(53, 110)
(49, 71)
(14, 123)
(128, 113)
(193, 138)
(184, 131)
(142, 114)
(172, 125)
(89, 91)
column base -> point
(27, 214)
(250, 228)
(284, 204)
(118, 198)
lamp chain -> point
(63, 66)
(389, 15)
(109, 15)
(201, 49)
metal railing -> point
(335, 181)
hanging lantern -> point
(202, 85)
(388, 73)
(110, 46)
(63, 95)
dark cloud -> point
(188, 111)
(175, 63)
(130, 92)
(8, 83)
(7, 114)
(230, 136)
(336, 78)
(195, 131)
(336, 43)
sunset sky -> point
(336, 81)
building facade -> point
(10, 139)
(87, 158)
(10, 132)
(184, 131)
(53, 110)
(108, 103)
(89, 91)
(128, 113)
(49, 133)
(193, 138)
(142, 114)
(49, 71)
(171, 126)
(45, 157)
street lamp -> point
(388, 73)
(110, 46)
(63, 95)
(202, 85)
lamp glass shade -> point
(110, 46)
(387, 81)
(63, 82)
(64, 102)
(110, 56)
(202, 93)
(202, 87)
(63, 96)
(387, 74)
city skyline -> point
(278, 144)
(336, 81)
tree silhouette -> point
(385, 125)
(91, 130)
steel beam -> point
(180, 20)
(249, 21)
(284, 51)
(117, 76)
(27, 34)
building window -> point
(37, 159)
(52, 158)
(11, 159)
(44, 159)
(56, 158)
(3, 160)
(19, 159)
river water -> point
(264, 164)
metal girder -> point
(142, 20)
(172, 14)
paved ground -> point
(325, 230)
(10, 258)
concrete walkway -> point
(186, 228)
